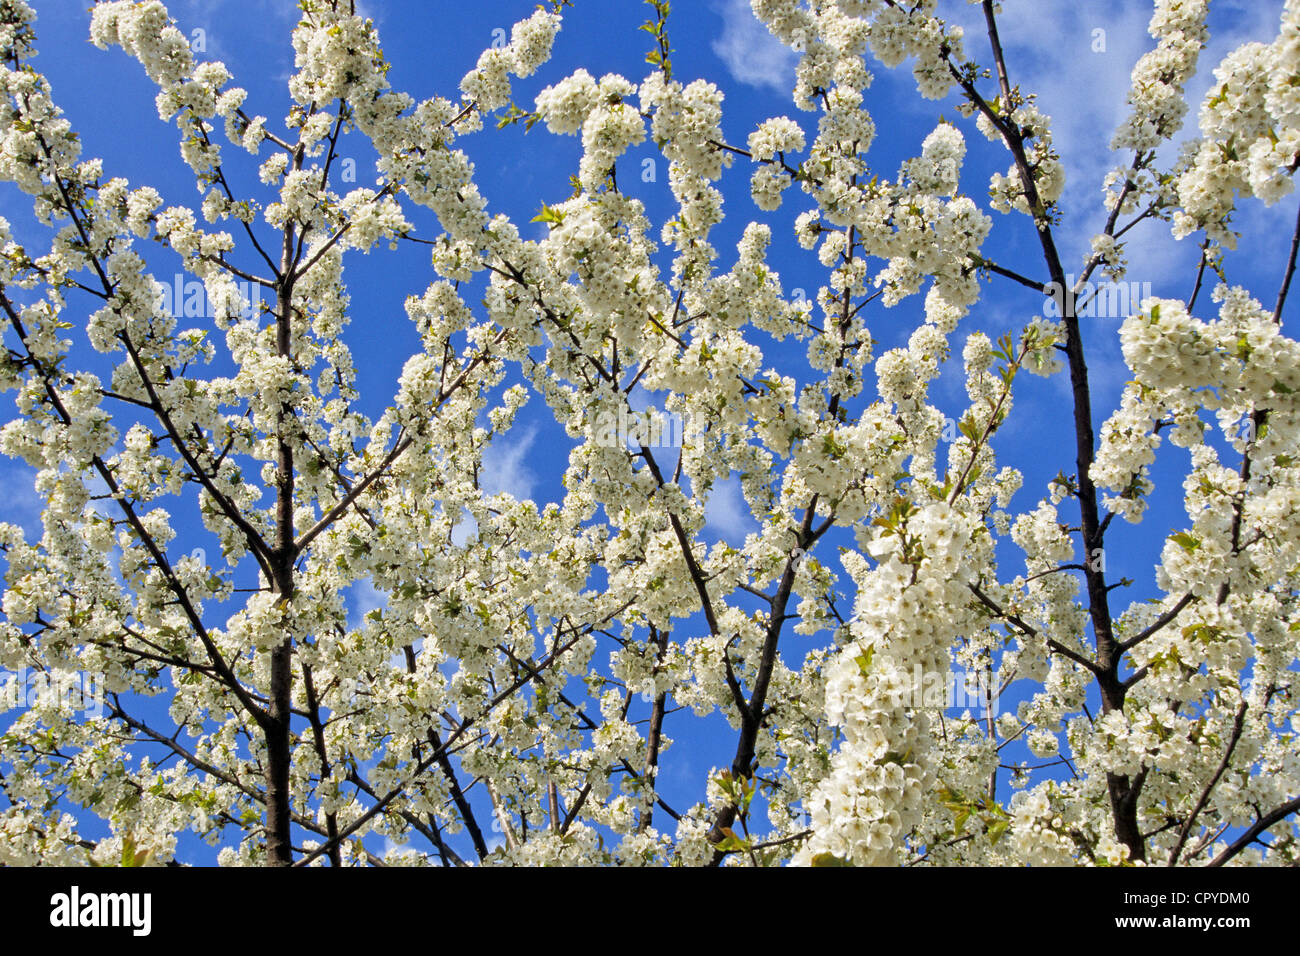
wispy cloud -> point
(751, 54)
(362, 598)
(21, 505)
(1082, 76)
(726, 513)
(505, 465)
(464, 530)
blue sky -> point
(1050, 47)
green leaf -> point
(829, 859)
(835, 449)
(549, 215)
(747, 791)
(730, 843)
(357, 546)
(899, 758)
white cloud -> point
(1049, 47)
(726, 513)
(362, 598)
(504, 469)
(367, 12)
(22, 505)
(1051, 50)
(751, 54)
(464, 530)
(504, 465)
(220, 23)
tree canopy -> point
(267, 615)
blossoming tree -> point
(510, 699)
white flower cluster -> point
(334, 58)
(371, 219)
(778, 135)
(899, 31)
(939, 165)
(1250, 134)
(873, 796)
(488, 84)
(146, 32)
(565, 106)
(1160, 76)
(772, 138)
(1007, 190)
(579, 605)
(687, 121)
